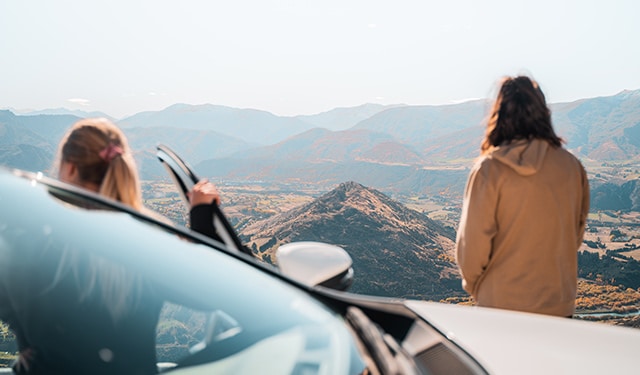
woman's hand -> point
(204, 192)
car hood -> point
(509, 342)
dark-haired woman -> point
(524, 209)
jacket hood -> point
(523, 156)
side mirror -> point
(316, 263)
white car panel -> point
(511, 342)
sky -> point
(300, 57)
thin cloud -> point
(80, 101)
(459, 101)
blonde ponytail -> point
(100, 152)
(121, 183)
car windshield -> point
(221, 313)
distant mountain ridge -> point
(61, 111)
(396, 251)
(344, 118)
(415, 149)
(437, 136)
(322, 145)
(421, 126)
(250, 125)
(30, 142)
(603, 128)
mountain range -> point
(400, 148)
(415, 150)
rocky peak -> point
(396, 251)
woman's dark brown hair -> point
(519, 112)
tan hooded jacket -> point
(523, 220)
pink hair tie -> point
(110, 152)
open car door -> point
(185, 179)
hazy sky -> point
(294, 57)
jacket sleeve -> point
(201, 221)
(477, 227)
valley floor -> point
(612, 233)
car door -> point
(185, 179)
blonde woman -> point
(95, 155)
(524, 209)
(100, 317)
